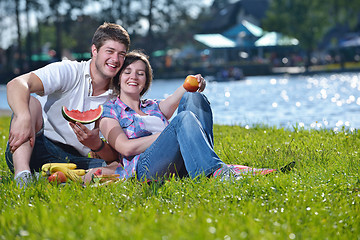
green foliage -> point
(47, 37)
(319, 199)
(310, 20)
(343, 11)
(306, 20)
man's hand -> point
(89, 138)
(21, 131)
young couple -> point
(148, 145)
(140, 141)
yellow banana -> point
(80, 172)
(47, 166)
(68, 173)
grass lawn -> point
(319, 199)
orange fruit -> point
(191, 84)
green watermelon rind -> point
(67, 115)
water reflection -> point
(329, 101)
(3, 100)
(320, 101)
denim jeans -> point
(185, 146)
(46, 151)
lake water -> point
(330, 101)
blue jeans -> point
(46, 151)
(185, 146)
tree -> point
(35, 6)
(19, 47)
(124, 12)
(80, 35)
(16, 10)
(306, 20)
(344, 12)
(6, 12)
(310, 20)
(153, 24)
(166, 20)
(58, 12)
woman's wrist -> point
(99, 148)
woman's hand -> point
(201, 81)
(194, 83)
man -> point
(38, 132)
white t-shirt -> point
(153, 124)
(67, 83)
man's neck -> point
(99, 88)
(99, 83)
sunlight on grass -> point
(319, 199)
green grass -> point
(320, 199)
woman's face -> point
(133, 78)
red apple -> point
(191, 84)
(57, 177)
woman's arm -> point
(169, 105)
(117, 138)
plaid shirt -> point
(133, 126)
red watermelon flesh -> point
(82, 117)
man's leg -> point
(21, 156)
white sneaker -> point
(23, 179)
(228, 173)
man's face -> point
(109, 58)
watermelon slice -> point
(82, 117)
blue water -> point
(3, 101)
(330, 101)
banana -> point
(49, 168)
(80, 172)
(46, 167)
(45, 174)
(69, 173)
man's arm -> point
(18, 96)
(91, 139)
(19, 90)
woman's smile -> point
(133, 83)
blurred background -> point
(223, 39)
(298, 61)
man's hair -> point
(131, 57)
(110, 31)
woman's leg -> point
(183, 142)
(198, 104)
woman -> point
(149, 146)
